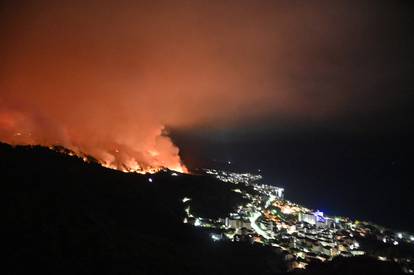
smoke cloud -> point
(108, 77)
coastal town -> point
(301, 234)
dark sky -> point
(270, 79)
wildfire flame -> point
(153, 153)
(128, 166)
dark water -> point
(365, 178)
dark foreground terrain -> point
(65, 216)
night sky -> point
(317, 94)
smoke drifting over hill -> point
(107, 77)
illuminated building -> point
(316, 219)
(236, 224)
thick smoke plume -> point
(107, 77)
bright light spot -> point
(381, 258)
(197, 222)
(384, 240)
(185, 220)
(287, 210)
(186, 199)
(291, 229)
(399, 235)
(395, 243)
(318, 213)
(150, 179)
(356, 245)
(215, 238)
(301, 265)
(174, 174)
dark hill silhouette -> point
(65, 216)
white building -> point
(316, 219)
(237, 224)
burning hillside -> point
(150, 151)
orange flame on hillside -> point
(150, 152)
